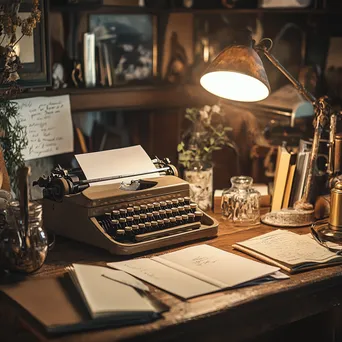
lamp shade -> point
(238, 74)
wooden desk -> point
(232, 315)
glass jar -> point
(200, 178)
(240, 204)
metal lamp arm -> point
(304, 92)
(323, 116)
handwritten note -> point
(289, 247)
(48, 126)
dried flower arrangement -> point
(206, 134)
(12, 135)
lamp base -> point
(289, 217)
(328, 233)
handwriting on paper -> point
(48, 125)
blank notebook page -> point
(104, 296)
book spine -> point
(89, 60)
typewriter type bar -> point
(126, 222)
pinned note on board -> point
(48, 126)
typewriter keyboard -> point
(137, 223)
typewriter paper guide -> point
(128, 160)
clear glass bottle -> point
(240, 203)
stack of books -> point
(290, 176)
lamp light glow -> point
(234, 86)
(238, 74)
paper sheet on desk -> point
(48, 125)
(128, 160)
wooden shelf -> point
(132, 9)
(132, 98)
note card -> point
(48, 126)
(121, 161)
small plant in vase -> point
(206, 134)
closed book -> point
(301, 172)
(282, 169)
(289, 181)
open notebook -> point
(101, 298)
(108, 293)
(198, 270)
(290, 251)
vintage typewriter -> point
(124, 218)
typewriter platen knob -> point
(60, 187)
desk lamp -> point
(238, 74)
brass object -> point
(335, 218)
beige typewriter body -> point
(75, 216)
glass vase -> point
(240, 204)
(200, 178)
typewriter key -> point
(173, 222)
(143, 209)
(156, 216)
(115, 225)
(136, 210)
(122, 222)
(128, 232)
(135, 229)
(142, 228)
(167, 223)
(181, 201)
(169, 204)
(198, 216)
(187, 200)
(191, 217)
(168, 213)
(150, 207)
(143, 218)
(187, 208)
(120, 235)
(154, 225)
(181, 210)
(175, 202)
(115, 214)
(129, 221)
(123, 212)
(156, 205)
(160, 224)
(193, 207)
(108, 215)
(185, 218)
(179, 220)
(136, 219)
(148, 226)
(175, 211)
(162, 214)
(163, 205)
(149, 217)
(130, 211)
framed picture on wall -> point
(126, 47)
(34, 51)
